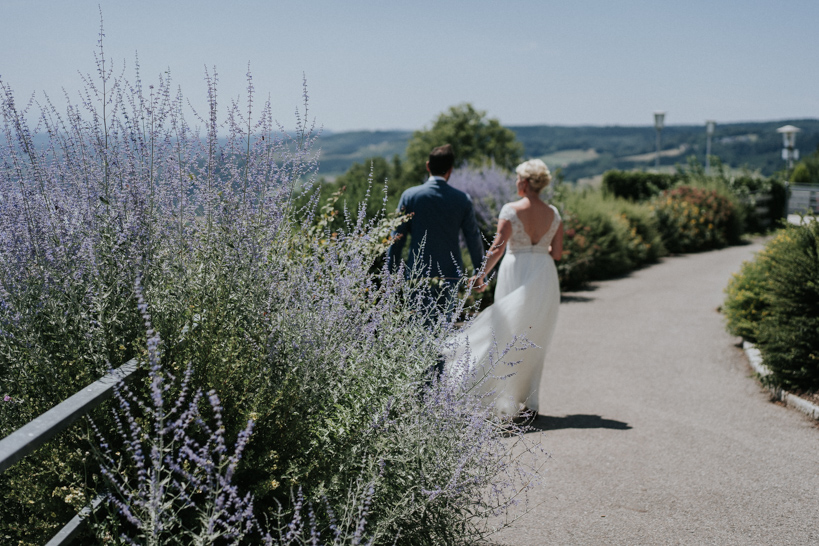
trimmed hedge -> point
(746, 302)
(637, 185)
(775, 302)
(789, 332)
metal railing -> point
(34, 434)
(803, 199)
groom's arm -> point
(472, 235)
(399, 237)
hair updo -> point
(536, 173)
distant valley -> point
(587, 151)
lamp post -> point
(789, 151)
(709, 132)
(659, 119)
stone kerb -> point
(789, 399)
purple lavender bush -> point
(171, 479)
(253, 300)
(490, 188)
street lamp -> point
(659, 119)
(789, 152)
(709, 131)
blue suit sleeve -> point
(400, 237)
(472, 235)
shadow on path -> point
(569, 298)
(547, 422)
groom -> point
(439, 214)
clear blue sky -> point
(377, 64)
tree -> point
(476, 140)
(807, 170)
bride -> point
(527, 297)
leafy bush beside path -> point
(693, 219)
(774, 301)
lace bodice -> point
(520, 242)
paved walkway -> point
(657, 432)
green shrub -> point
(788, 334)
(746, 301)
(637, 185)
(807, 170)
(596, 240)
(605, 236)
(645, 245)
(693, 219)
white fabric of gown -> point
(527, 297)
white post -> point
(659, 120)
(789, 151)
(709, 132)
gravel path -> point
(657, 432)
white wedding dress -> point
(527, 298)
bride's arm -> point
(556, 250)
(495, 251)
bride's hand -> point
(478, 284)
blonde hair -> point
(535, 172)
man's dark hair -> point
(441, 159)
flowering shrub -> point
(594, 247)
(170, 478)
(490, 188)
(178, 487)
(579, 252)
(775, 302)
(252, 299)
(604, 237)
(694, 219)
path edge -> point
(791, 400)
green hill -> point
(340, 150)
(590, 150)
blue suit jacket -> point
(439, 213)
